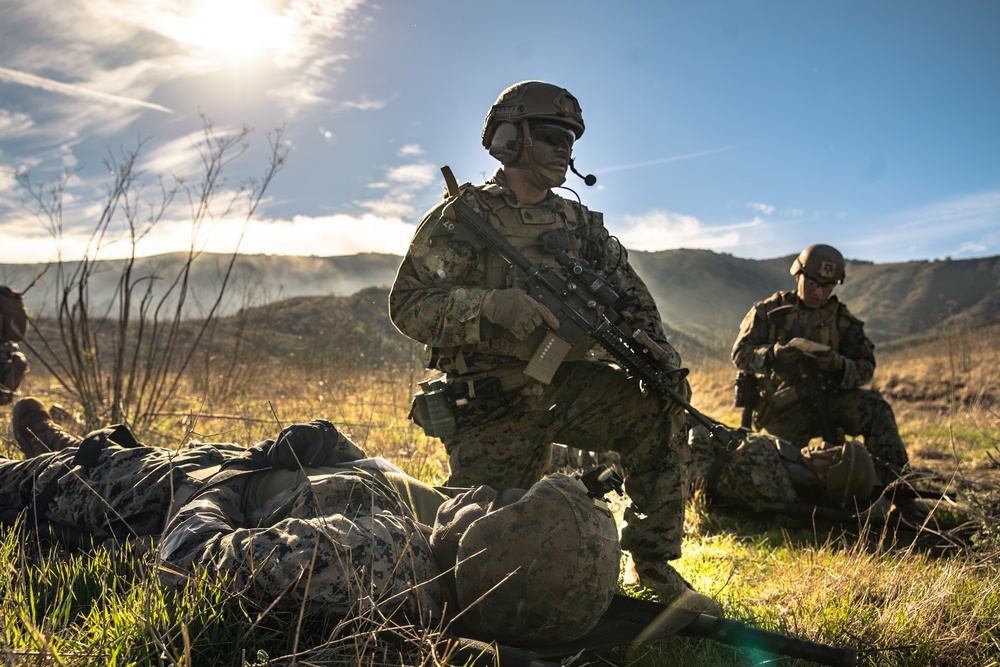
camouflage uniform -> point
(754, 472)
(13, 322)
(344, 542)
(505, 432)
(859, 412)
(108, 488)
(344, 537)
(13, 366)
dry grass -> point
(898, 603)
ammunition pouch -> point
(785, 398)
(434, 406)
(747, 395)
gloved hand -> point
(785, 354)
(830, 361)
(517, 312)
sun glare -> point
(236, 29)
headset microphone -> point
(589, 179)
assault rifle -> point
(583, 301)
(631, 620)
(813, 386)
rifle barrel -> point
(734, 633)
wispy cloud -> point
(963, 226)
(662, 230)
(673, 158)
(26, 79)
(766, 209)
(400, 188)
(13, 124)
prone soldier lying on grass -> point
(765, 469)
(836, 482)
(307, 520)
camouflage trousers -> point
(859, 412)
(125, 493)
(507, 443)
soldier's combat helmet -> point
(507, 130)
(852, 478)
(822, 263)
(540, 570)
(534, 100)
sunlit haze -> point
(751, 127)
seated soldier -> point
(307, 520)
(811, 360)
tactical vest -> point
(823, 325)
(525, 227)
(787, 319)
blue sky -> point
(752, 127)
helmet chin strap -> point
(546, 178)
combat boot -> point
(34, 430)
(670, 587)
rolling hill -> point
(702, 295)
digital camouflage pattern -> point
(859, 412)
(343, 543)
(125, 494)
(437, 296)
(541, 570)
(347, 537)
(764, 469)
(506, 441)
(754, 472)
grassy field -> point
(899, 600)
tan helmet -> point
(541, 570)
(853, 477)
(537, 100)
(820, 262)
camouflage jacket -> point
(440, 285)
(831, 324)
(342, 543)
(345, 541)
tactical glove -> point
(830, 361)
(785, 354)
(311, 445)
(517, 312)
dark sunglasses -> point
(813, 283)
(553, 135)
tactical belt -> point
(490, 384)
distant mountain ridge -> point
(701, 294)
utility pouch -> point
(785, 398)
(434, 408)
(746, 396)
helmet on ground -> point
(853, 478)
(822, 263)
(541, 570)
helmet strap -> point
(546, 178)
